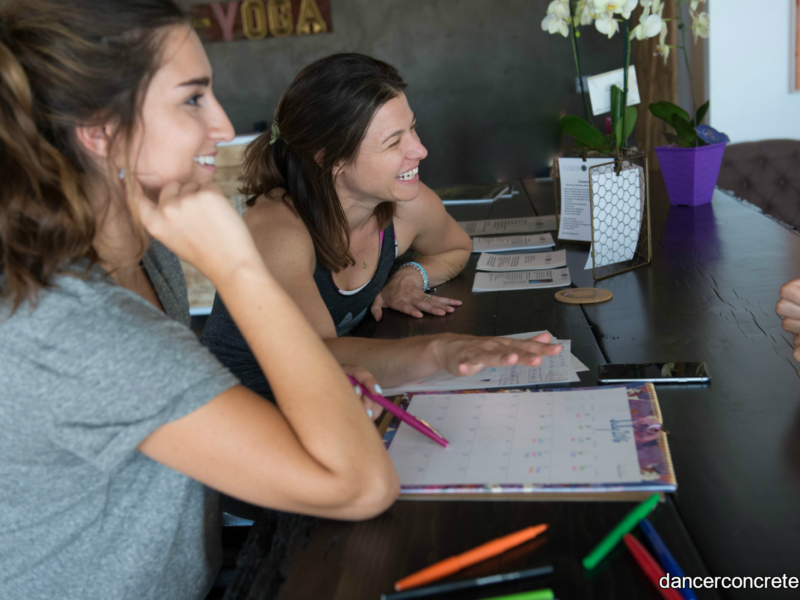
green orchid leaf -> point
(684, 128)
(701, 113)
(618, 134)
(631, 115)
(630, 122)
(616, 105)
(671, 137)
(584, 133)
(666, 110)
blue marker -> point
(669, 564)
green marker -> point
(546, 594)
(627, 524)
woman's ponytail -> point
(44, 219)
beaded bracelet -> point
(422, 272)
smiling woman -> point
(335, 197)
(117, 425)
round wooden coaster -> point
(583, 296)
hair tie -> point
(276, 133)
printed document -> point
(520, 280)
(512, 242)
(554, 369)
(518, 225)
(522, 262)
(576, 210)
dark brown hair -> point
(63, 64)
(323, 117)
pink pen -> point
(398, 412)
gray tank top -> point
(347, 309)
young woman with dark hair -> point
(335, 197)
(114, 417)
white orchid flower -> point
(663, 49)
(649, 26)
(700, 25)
(694, 4)
(607, 24)
(620, 7)
(626, 8)
(558, 8)
(584, 12)
(554, 24)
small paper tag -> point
(600, 89)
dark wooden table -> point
(708, 295)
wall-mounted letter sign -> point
(257, 19)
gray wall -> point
(487, 84)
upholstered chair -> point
(766, 174)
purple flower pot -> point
(690, 173)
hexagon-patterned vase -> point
(690, 174)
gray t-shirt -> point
(84, 378)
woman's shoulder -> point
(419, 207)
(276, 227)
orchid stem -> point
(574, 36)
(626, 56)
(688, 69)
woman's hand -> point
(198, 223)
(365, 378)
(789, 307)
(465, 355)
(403, 292)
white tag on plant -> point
(600, 89)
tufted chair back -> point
(766, 174)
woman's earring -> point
(122, 173)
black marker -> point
(467, 584)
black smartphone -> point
(690, 372)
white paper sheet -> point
(518, 225)
(554, 369)
(512, 242)
(520, 280)
(569, 437)
(576, 213)
(522, 262)
(576, 364)
(600, 89)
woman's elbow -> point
(374, 496)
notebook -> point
(601, 443)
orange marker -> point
(455, 563)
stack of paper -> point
(521, 280)
(522, 262)
(506, 243)
(517, 225)
(562, 368)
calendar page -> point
(522, 438)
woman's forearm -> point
(391, 362)
(311, 390)
(440, 267)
